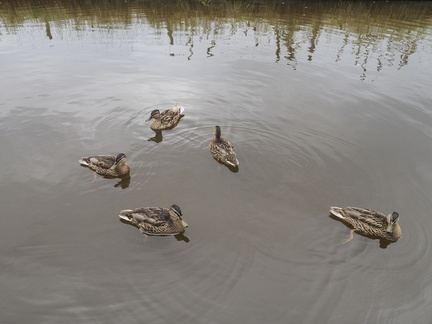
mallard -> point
(369, 222)
(107, 165)
(166, 119)
(222, 150)
(156, 220)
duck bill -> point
(148, 119)
(390, 228)
(113, 166)
(184, 223)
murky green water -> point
(327, 103)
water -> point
(328, 104)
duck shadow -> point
(182, 237)
(157, 138)
(178, 237)
(123, 182)
(383, 243)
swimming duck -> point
(156, 220)
(222, 150)
(369, 222)
(167, 119)
(107, 165)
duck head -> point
(154, 114)
(177, 212)
(217, 132)
(392, 219)
(120, 158)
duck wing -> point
(152, 215)
(169, 116)
(224, 151)
(101, 161)
(370, 217)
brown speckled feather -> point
(223, 151)
(367, 222)
(100, 161)
(155, 220)
(101, 164)
(167, 119)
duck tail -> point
(336, 211)
(84, 161)
(180, 108)
(126, 215)
(233, 162)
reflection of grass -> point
(104, 11)
(290, 24)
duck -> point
(156, 220)
(369, 222)
(166, 119)
(222, 149)
(107, 165)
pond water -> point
(327, 103)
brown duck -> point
(369, 222)
(156, 220)
(107, 165)
(166, 119)
(222, 149)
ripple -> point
(308, 136)
(220, 261)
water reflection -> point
(48, 30)
(124, 182)
(157, 137)
(375, 32)
(182, 237)
(259, 239)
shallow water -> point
(328, 104)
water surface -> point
(328, 104)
